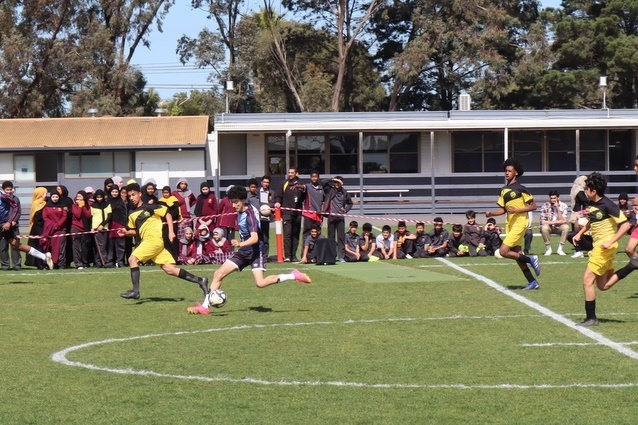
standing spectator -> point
(100, 220)
(554, 222)
(80, 215)
(473, 236)
(5, 248)
(368, 242)
(623, 204)
(118, 182)
(290, 199)
(119, 217)
(36, 225)
(253, 193)
(438, 239)
(421, 241)
(185, 197)
(516, 201)
(385, 244)
(128, 240)
(313, 202)
(227, 219)
(206, 207)
(149, 193)
(55, 215)
(337, 202)
(187, 248)
(66, 200)
(108, 184)
(266, 197)
(174, 210)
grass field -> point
(405, 342)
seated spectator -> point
(353, 244)
(309, 254)
(438, 239)
(421, 241)
(203, 245)
(586, 242)
(187, 248)
(385, 244)
(222, 249)
(403, 242)
(456, 244)
(554, 222)
(492, 235)
(368, 242)
(473, 236)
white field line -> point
(61, 357)
(599, 338)
(566, 344)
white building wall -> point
(6, 167)
(165, 165)
(442, 152)
(256, 155)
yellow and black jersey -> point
(147, 220)
(604, 217)
(515, 195)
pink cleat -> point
(198, 309)
(301, 277)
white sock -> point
(37, 254)
(206, 303)
(560, 246)
(284, 277)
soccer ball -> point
(265, 210)
(217, 298)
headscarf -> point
(184, 193)
(578, 186)
(221, 233)
(37, 202)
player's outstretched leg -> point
(173, 270)
(29, 250)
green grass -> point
(399, 348)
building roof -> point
(428, 120)
(35, 134)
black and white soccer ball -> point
(217, 298)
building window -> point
(97, 164)
(620, 153)
(344, 154)
(477, 151)
(311, 153)
(561, 150)
(592, 150)
(396, 153)
(527, 146)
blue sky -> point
(160, 64)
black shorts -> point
(12, 233)
(254, 258)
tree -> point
(346, 19)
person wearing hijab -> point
(68, 203)
(148, 194)
(187, 248)
(100, 221)
(206, 206)
(172, 203)
(185, 197)
(80, 217)
(227, 218)
(222, 249)
(55, 215)
(119, 216)
(108, 183)
(204, 247)
(36, 226)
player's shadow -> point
(515, 287)
(19, 282)
(262, 309)
(633, 296)
(159, 300)
(610, 320)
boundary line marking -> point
(599, 338)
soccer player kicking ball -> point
(608, 224)
(516, 201)
(145, 221)
(249, 251)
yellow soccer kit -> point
(604, 217)
(515, 195)
(147, 220)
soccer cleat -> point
(560, 252)
(578, 254)
(301, 277)
(589, 322)
(131, 295)
(532, 285)
(203, 283)
(536, 265)
(49, 260)
(198, 309)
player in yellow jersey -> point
(145, 221)
(516, 201)
(607, 224)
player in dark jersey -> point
(516, 201)
(250, 251)
(607, 224)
